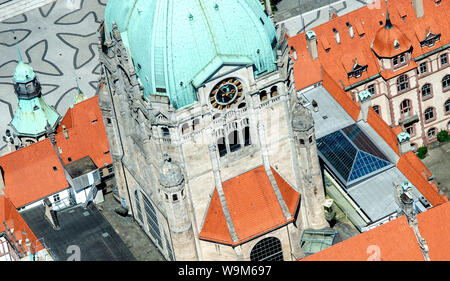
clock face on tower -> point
(226, 93)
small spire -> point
(78, 86)
(388, 24)
(19, 55)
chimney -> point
(2, 181)
(50, 214)
(312, 44)
(365, 103)
(404, 143)
(418, 8)
(66, 134)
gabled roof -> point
(86, 134)
(253, 207)
(395, 240)
(35, 172)
(17, 224)
(32, 173)
(366, 22)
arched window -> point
(242, 105)
(376, 108)
(138, 206)
(263, 96)
(405, 108)
(152, 220)
(268, 249)
(185, 129)
(402, 83)
(221, 146)
(429, 114)
(426, 91)
(233, 140)
(196, 124)
(217, 115)
(165, 132)
(446, 82)
(274, 91)
(447, 106)
(431, 133)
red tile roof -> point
(365, 21)
(21, 230)
(414, 169)
(30, 175)
(383, 129)
(253, 206)
(29, 172)
(86, 132)
(395, 240)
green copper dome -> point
(178, 44)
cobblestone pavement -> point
(60, 42)
(438, 162)
(129, 231)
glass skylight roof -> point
(352, 155)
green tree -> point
(443, 136)
(422, 152)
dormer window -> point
(396, 45)
(336, 36)
(357, 70)
(430, 39)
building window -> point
(447, 106)
(152, 220)
(429, 114)
(233, 139)
(423, 67)
(371, 89)
(444, 59)
(268, 249)
(426, 91)
(402, 58)
(446, 82)
(56, 198)
(138, 206)
(222, 147)
(263, 96)
(405, 108)
(395, 61)
(431, 133)
(165, 132)
(376, 108)
(411, 130)
(402, 83)
(247, 140)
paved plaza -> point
(60, 41)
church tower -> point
(210, 86)
(312, 185)
(33, 113)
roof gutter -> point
(432, 52)
(351, 87)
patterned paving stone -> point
(60, 41)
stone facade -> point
(206, 146)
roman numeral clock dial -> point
(226, 93)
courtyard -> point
(438, 162)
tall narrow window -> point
(446, 82)
(426, 91)
(233, 140)
(423, 67)
(371, 89)
(429, 114)
(405, 108)
(431, 133)
(221, 146)
(246, 133)
(402, 83)
(447, 106)
(444, 59)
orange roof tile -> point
(395, 240)
(9, 214)
(253, 206)
(413, 170)
(367, 24)
(86, 132)
(383, 129)
(30, 175)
